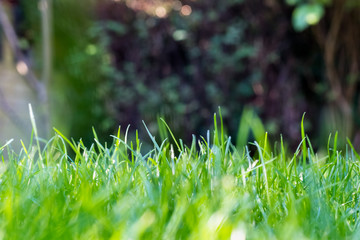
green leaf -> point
(304, 148)
(306, 15)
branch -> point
(13, 40)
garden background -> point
(107, 63)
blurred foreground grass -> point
(208, 190)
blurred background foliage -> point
(78, 86)
(119, 62)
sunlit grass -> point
(207, 190)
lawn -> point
(210, 189)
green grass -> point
(207, 190)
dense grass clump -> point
(208, 190)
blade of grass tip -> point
(227, 146)
(85, 154)
(94, 132)
(116, 146)
(138, 145)
(293, 159)
(126, 139)
(309, 156)
(126, 134)
(347, 152)
(304, 141)
(265, 143)
(75, 149)
(117, 143)
(208, 143)
(78, 155)
(247, 153)
(328, 146)
(172, 157)
(101, 148)
(181, 145)
(118, 137)
(283, 153)
(310, 146)
(172, 135)
(7, 143)
(151, 137)
(24, 148)
(164, 146)
(131, 148)
(264, 170)
(48, 150)
(226, 162)
(63, 147)
(32, 120)
(132, 152)
(353, 149)
(335, 144)
(216, 133)
(33, 124)
(96, 139)
(221, 128)
(193, 146)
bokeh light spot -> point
(180, 35)
(22, 68)
(312, 18)
(91, 49)
(186, 10)
(160, 12)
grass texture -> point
(210, 189)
